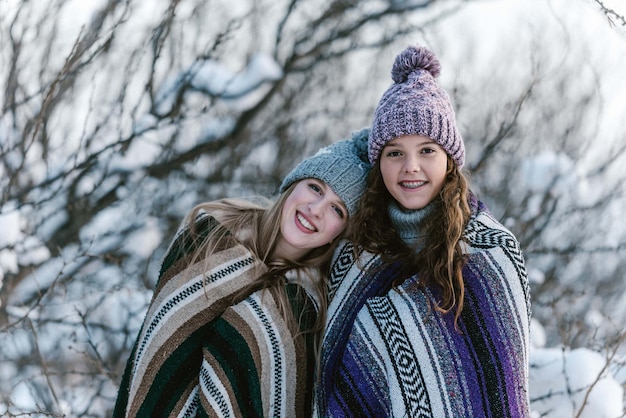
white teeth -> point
(305, 223)
(412, 184)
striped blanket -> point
(198, 354)
(388, 353)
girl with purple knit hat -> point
(430, 309)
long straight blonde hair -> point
(256, 225)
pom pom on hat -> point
(412, 59)
(342, 165)
(416, 105)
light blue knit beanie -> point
(343, 166)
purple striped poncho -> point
(388, 353)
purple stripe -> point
(441, 333)
(496, 295)
(336, 336)
(356, 391)
(483, 326)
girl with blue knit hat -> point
(429, 310)
(232, 326)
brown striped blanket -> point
(198, 354)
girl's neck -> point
(286, 252)
(409, 223)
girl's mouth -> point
(412, 184)
(305, 223)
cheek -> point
(337, 227)
(438, 184)
(386, 172)
(283, 223)
(442, 169)
(384, 169)
(291, 202)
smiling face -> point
(313, 216)
(413, 169)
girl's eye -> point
(428, 150)
(394, 154)
(339, 211)
(317, 189)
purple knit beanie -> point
(416, 105)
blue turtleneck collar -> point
(409, 223)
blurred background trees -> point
(120, 115)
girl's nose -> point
(411, 165)
(317, 207)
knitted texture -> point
(342, 165)
(416, 105)
(200, 352)
(390, 353)
(406, 222)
